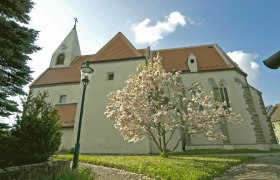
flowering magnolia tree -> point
(155, 103)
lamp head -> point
(273, 62)
(86, 72)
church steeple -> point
(76, 20)
(67, 51)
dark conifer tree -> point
(37, 130)
(36, 135)
(17, 43)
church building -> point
(115, 62)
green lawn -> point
(174, 167)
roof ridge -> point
(124, 39)
(167, 49)
(228, 59)
(130, 44)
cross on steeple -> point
(76, 20)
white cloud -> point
(146, 33)
(247, 62)
(254, 66)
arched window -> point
(224, 93)
(60, 59)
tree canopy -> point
(17, 44)
(36, 135)
(154, 104)
(37, 129)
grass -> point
(174, 167)
(83, 173)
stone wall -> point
(43, 171)
(252, 111)
(268, 119)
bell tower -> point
(67, 51)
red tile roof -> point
(209, 57)
(63, 75)
(67, 114)
(117, 48)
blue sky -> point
(247, 30)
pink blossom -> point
(155, 103)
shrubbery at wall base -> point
(36, 135)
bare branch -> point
(171, 135)
(175, 147)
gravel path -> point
(266, 167)
(105, 173)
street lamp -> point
(86, 73)
(273, 62)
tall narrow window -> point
(62, 99)
(60, 59)
(224, 96)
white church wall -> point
(98, 134)
(239, 134)
(199, 139)
(55, 91)
(72, 92)
(243, 133)
(66, 138)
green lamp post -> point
(86, 73)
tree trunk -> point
(183, 138)
(164, 153)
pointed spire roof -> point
(69, 48)
(118, 47)
(70, 42)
